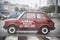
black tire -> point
(44, 30)
(11, 29)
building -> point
(1, 5)
(6, 7)
(11, 7)
(52, 2)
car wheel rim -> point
(45, 30)
(11, 29)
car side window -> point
(40, 16)
(28, 15)
(31, 15)
(24, 16)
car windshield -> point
(15, 14)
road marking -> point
(52, 38)
(11, 38)
(32, 38)
(22, 38)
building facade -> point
(1, 5)
(11, 7)
(52, 2)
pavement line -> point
(52, 38)
(32, 38)
(11, 38)
(41, 37)
(22, 38)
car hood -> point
(10, 19)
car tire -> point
(44, 30)
(12, 29)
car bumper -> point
(52, 28)
(5, 27)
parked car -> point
(2, 17)
(30, 21)
(14, 14)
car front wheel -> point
(11, 30)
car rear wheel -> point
(44, 31)
(11, 30)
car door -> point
(40, 19)
(28, 21)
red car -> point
(30, 21)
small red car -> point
(30, 21)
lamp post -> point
(39, 4)
(56, 7)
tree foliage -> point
(16, 9)
(50, 9)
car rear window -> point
(40, 16)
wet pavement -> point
(3, 32)
(55, 32)
(15, 37)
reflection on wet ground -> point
(31, 37)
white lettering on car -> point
(28, 23)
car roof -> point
(35, 12)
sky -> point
(31, 3)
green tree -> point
(49, 9)
(23, 9)
(16, 9)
